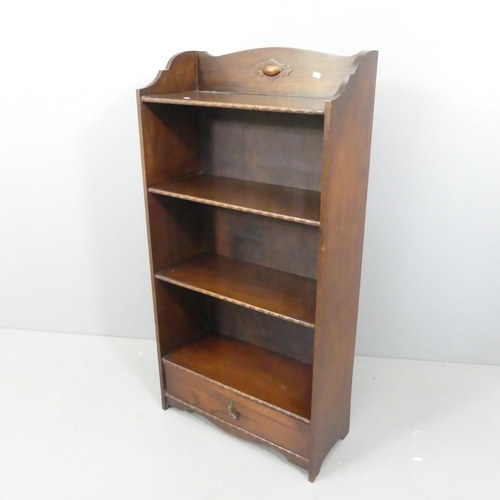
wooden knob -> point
(271, 70)
(232, 412)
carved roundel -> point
(272, 69)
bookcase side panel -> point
(169, 134)
(176, 231)
(169, 150)
(169, 142)
(180, 75)
(348, 126)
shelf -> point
(296, 205)
(281, 382)
(280, 104)
(286, 296)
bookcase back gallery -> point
(255, 169)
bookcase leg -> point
(344, 431)
(313, 472)
(164, 402)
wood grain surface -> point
(279, 382)
(278, 104)
(284, 295)
(255, 174)
(291, 456)
(297, 205)
(345, 181)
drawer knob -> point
(271, 70)
(232, 412)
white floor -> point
(80, 418)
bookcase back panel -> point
(283, 245)
(273, 334)
(274, 70)
(273, 148)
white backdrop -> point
(73, 252)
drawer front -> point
(237, 409)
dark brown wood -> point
(170, 222)
(278, 244)
(180, 75)
(168, 149)
(235, 407)
(169, 136)
(172, 151)
(293, 458)
(275, 381)
(272, 148)
(176, 321)
(348, 131)
(268, 332)
(297, 205)
(255, 172)
(278, 104)
(313, 74)
(286, 296)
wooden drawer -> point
(252, 416)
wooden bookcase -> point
(255, 170)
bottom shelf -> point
(280, 382)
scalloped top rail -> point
(270, 79)
(280, 104)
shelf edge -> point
(239, 208)
(161, 277)
(243, 394)
(156, 99)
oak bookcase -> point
(255, 169)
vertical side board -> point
(346, 157)
(169, 151)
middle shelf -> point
(277, 293)
(297, 205)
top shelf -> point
(230, 100)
